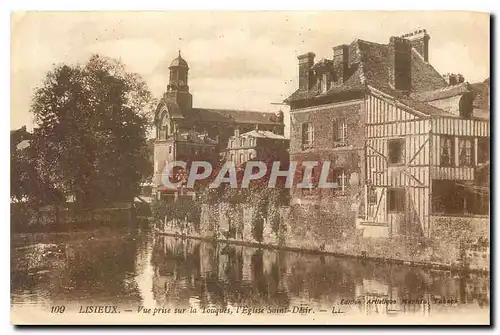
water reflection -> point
(140, 269)
(225, 275)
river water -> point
(131, 269)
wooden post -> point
(366, 201)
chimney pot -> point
(420, 41)
(341, 62)
(451, 79)
(306, 77)
(400, 59)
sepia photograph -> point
(250, 168)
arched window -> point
(465, 105)
(163, 126)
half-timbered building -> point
(406, 141)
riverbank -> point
(316, 251)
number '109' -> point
(57, 309)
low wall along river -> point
(457, 243)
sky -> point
(241, 60)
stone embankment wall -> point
(455, 243)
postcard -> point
(233, 168)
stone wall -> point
(349, 158)
(323, 228)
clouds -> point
(237, 60)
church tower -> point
(178, 89)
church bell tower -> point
(178, 89)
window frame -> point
(307, 134)
(342, 178)
(339, 126)
(470, 155)
(452, 152)
(480, 148)
(402, 161)
(399, 202)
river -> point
(134, 268)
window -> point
(339, 132)
(457, 197)
(242, 142)
(396, 151)
(232, 158)
(342, 180)
(169, 149)
(325, 83)
(372, 195)
(231, 144)
(447, 150)
(241, 159)
(250, 156)
(465, 153)
(483, 150)
(395, 200)
(307, 134)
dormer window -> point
(325, 82)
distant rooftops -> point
(263, 134)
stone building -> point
(257, 144)
(368, 110)
(182, 130)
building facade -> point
(257, 144)
(396, 132)
(184, 132)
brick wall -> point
(349, 157)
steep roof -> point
(442, 93)
(369, 65)
(231, 116)
(375, 62)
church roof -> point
(231, 116)
(179, 62)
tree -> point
(91, 138)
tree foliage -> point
(91, 137)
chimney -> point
(340, 62)
(451, 79)
(420, 41)
(400, 63)
(306, 77)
